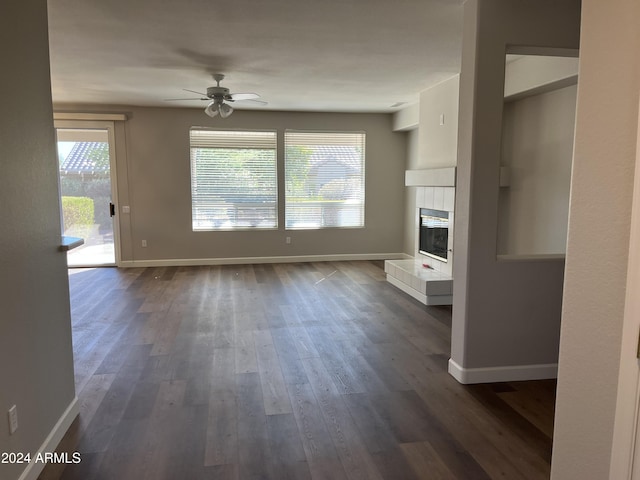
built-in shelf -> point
(69, 243)
(528, 75)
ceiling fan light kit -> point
(218, 108)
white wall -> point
(537, 148)
(606, 148)
(36, 363)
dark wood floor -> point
(316, 370)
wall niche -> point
(537, 146)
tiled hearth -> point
(429, 286)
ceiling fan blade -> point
(181, 99)
(193, 91)
(261, 102)
(243, 96)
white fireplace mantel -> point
(431, 177)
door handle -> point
(112, 209)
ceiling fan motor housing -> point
(213, 92)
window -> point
(324, 179)
(233, 179)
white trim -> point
(187, 262)
(113, 117)
(113, 172)
(512, 373)
(108, 125)
(53, 439)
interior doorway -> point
(86, 171)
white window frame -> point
(211, 209)
(319, 210)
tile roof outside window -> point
(82, 159)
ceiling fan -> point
(221, 97)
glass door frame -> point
(110, 128)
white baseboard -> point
(190, 262)
(513, 373)
(53, 439)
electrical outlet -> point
(287, 240)
(144, 243)
(13, 419)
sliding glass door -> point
(87, 194)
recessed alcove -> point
(537, 147)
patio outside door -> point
(87, 193)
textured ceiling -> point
(330, 55)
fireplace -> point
(429, 280)
(434, 234)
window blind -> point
(233, 179)
(324, 179)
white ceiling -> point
(330, 55)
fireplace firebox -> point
(434, 234)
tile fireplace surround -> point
(426, 279)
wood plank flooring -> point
(284, 371)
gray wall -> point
(158, 187)
(537, 148)
(439, 142)
(36, 364)
(504, 313)
(413, 163)
(606, 153)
